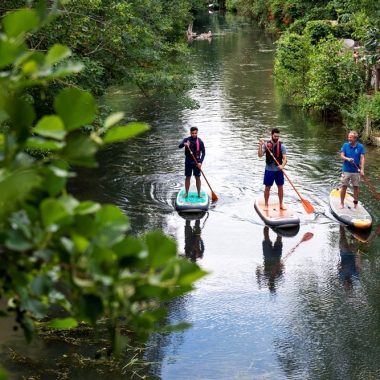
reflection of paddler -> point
(194, 246)
(273, 267)
(349, 265)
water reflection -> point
(349, 265)
(272, 269)
(194, 245)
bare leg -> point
(281, 197)
(187, 186)
(198, 183)
(343, 190)
(356, 195)
(266, 197)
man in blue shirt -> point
(352, 154)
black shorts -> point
(191, 168)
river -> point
(303, 309)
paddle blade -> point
(214, 197)
(307, 206)
(307, 236)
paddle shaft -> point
(368, 183)
(214, 196)
(306, 236)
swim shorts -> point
(353, 177)
(273, 176)
(192, 168)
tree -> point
(56, 250)
(335, 79)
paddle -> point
(213, 195)
(305, 203)
(368, 182)
(307, 236)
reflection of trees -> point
(159, 343)
(332, 334)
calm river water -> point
(299, 310)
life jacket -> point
(276, 151)
(197, 151)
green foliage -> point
(317, 30)
(292, 65)
(356, 116)
(142, 41)
(56, 250)
(334, 78)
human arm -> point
(261, 149)
(284, 161)
(202, 154)
(184, 142)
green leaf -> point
(9, 50)
(87, 207)
(16, 241)
(52, 212)
(125, 132)
(75, 107)
(20, 21)
(41, 285)
(113, 119)
(56, 54)
(16, 186)
(63, 323)
(43, 145)
(22, 114)
(65, 69)
(80, 151)
(51, 126)
(110, 214)
(160, 248)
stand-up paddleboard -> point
(287, 231)
(275, 217)
(357, 217)
(192, 203)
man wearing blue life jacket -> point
(273, 172)
(352, 153)
(195, 153)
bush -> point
(356, 117)
(335, 80)
(291, 65)
(317, 30)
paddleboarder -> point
(352, 153)
(273, 172)
(195, 153)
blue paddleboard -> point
(192, 203)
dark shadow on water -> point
(286, 232)
(269, 273)
(350, 259)
(194, 245)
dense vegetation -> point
(65, 261)
(313, 67)
(140, 41)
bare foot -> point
(199, 196)
(186, 195)
(265, 208)
(282, 207)
(341, 206)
